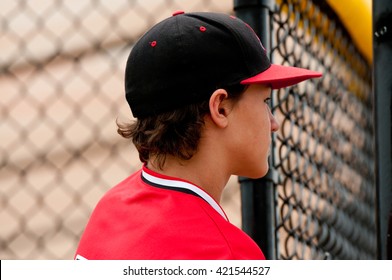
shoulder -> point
(239, 245)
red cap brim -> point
(278, 76)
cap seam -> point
(180, 39)
(245, 54)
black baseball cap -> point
(183, 59)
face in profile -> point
(252, 124)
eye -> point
(267, 101)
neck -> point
(208, 175)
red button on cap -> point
(178, 13)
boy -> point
(198, 85)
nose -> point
(274, 123)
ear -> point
(219, 107)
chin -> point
(255, 173)
(258, 175)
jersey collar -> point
(166, 182)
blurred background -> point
(61, 79)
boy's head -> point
(175, 67)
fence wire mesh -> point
(61, 80)
(325, 190)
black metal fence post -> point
(382, 48)
(258, 196)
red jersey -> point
(151, 216)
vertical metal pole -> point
(382, 80)
(258, 196)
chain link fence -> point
(324, 153)
(61, 79)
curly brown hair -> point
(176, 133)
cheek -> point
(263, 126)
(251, 138)
(256, 133)
(263, 138)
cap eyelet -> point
(202, 29)
(153, 43)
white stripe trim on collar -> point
(188, 186)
